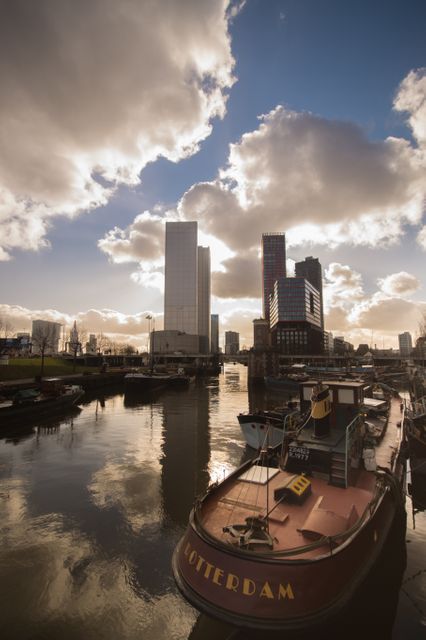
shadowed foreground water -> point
(92, 506)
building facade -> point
(187, 289)
(214, 323)
(181, 277)
(232, 343)
(273, 266)
(405, 344)
(204, 295)
(261, 335)
(295, 318)
(172, 341)
(45, 337)
(310, 268)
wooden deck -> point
(328, 510)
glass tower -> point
(273, 265)
(181, 278)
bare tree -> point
(6, 327)
(44, 338)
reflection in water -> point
(91, 508)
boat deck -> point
(328, 510)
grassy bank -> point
(20, 368)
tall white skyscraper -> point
(405, 343)
(204, 298)
(187, 283)
(181, 278)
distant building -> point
(92, 345)
(187, 283)
(362, 350)
(261, 334)
(45, 336)
(342, 347)
(16, 347)
(232, 343)
(273, 266)
(172, 341)
(405, 344)
(204, 286)
(214, 333)
(310, 268)
(296, 317)
(328, 343)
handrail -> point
(351, 426)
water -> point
(91, 508)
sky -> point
(302, 116)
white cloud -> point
(93, 92)
(421, 238)
(411, 98)
(321, 181)
(399, 284)
(116, 325)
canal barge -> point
(286, 540)
(51, 398)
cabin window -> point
(346, 396)
(307, 393)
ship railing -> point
(350, 430)
(331, 541)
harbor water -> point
(92, 506)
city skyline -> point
(280, 117)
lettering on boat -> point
(233, 582)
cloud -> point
(241, 278)
(93, 92)
(399, 284)
(411, 98)
(350, 311)
(117, 326)
(421, 238)
(299, 167)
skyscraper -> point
(295, 317)
(187, 285)
(181, 277)
(204, 298)
(310, 268)
(214, 333)
(405, 343)
(273, 265)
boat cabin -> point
(330, 444)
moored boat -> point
(285, 540)
(51, 398)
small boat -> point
(288, 538)
(267, 428)
(51, 398)
(138, 382)
(415, 432)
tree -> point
(44, 338)
(6, 327)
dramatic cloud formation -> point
(321, 181)
(399, 284)
(92, 92)
(117, 326)
(351, 312)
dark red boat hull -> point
(295, 593)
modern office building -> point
(204, 286)
(232, 343)
(181, 281)
(405, 343)
(273, 265)
(187, 284)
(310, 268)
(214, 348)
(45, 337)
(261, 335)
(295, 318)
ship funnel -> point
(320, 410)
